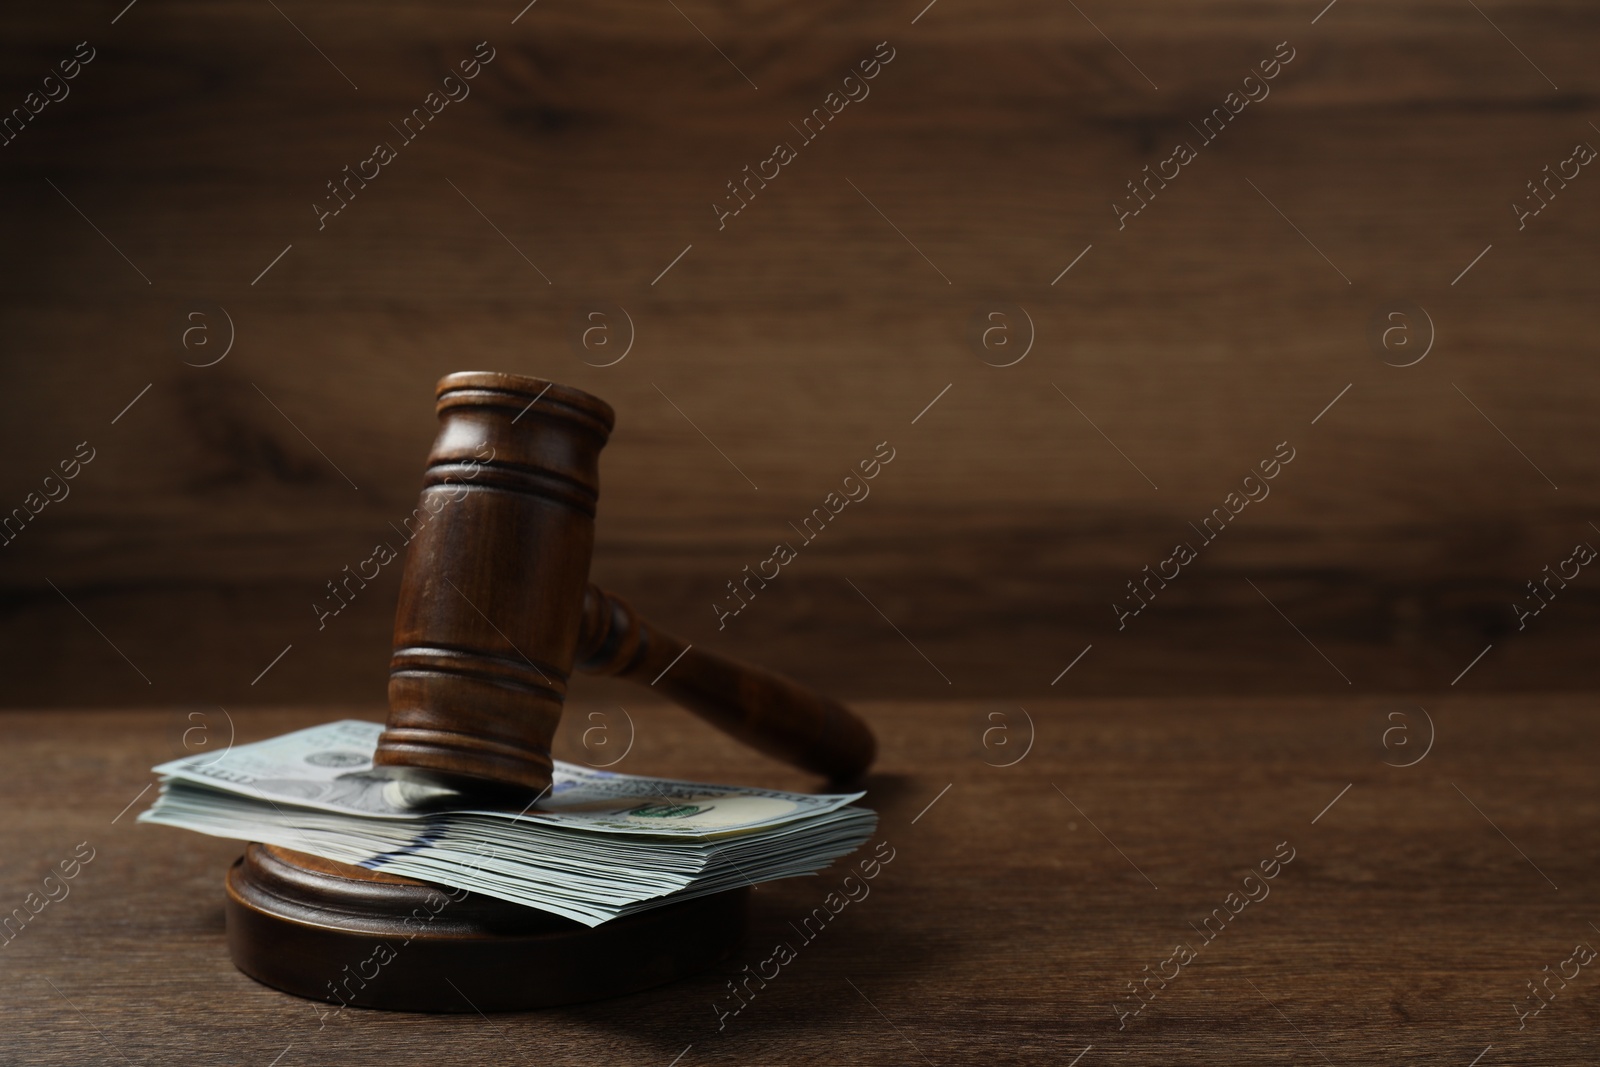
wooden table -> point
(1020, 904)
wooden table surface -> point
(1021, 902)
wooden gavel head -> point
(496, 608)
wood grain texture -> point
(808, 330)
(1404, 929)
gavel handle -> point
(766, 711)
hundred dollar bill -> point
(598, 846)
(329, 767)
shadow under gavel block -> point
(495, 612)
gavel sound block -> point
(495, 611)
(359, 938)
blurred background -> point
(254, 379)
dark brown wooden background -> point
(809, 330)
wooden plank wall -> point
(1178, 351)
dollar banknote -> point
(596, 845)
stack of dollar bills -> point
(596, 846)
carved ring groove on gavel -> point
(496, 608)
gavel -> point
(496, 609)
